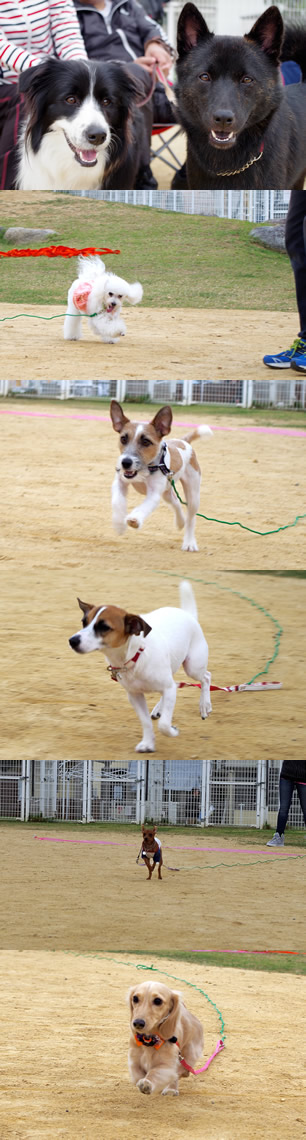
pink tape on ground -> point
(174, 847)
(261, 430)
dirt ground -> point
(93, 896)
(161, 344)
(66, 1027)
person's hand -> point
(148, 64)
(156, 53)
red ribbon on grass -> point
(56, 251)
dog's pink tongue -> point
(88, 155)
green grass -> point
(243, 835)
(182, 261)
(272, 964)
(266, 417)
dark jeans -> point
(10, 117)
(296, 249)
(286, 789)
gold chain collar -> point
(230, 173)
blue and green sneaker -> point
(294, 357)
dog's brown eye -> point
(246, 79)
(105, 102)
(135, 1000)
(205, 77)
(124, 439)
(72, 100)
(119, 296)
(157, 1001)
(144, 441)
(101, 627)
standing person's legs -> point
(295, 246)
(301, 791)
(295, 356)
(10, 117)
(286, 789)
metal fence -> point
(272, 392)
(179, 792)
(242, 205)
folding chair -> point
(165, 151)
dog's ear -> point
(133, 623)
(117, 416)
(169, 1025)
(162, 421)
(134, 293)
(268, 33)
(190, 29)
(129, 996)
(85, 606)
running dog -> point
(164, 1035)
(149, 463)
(144, 651)
(151, 849)
(99, 296)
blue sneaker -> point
(294, 356)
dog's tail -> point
(294, 46)
(91, 267)
(187, 599)
(197, 432)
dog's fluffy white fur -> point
(97, 292)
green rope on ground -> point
(225, 522)
(37, 317)
(245, 598)
(155, 970)
(229, 866)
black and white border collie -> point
(82, 129)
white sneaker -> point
(276, 841)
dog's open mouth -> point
(222, 138)
(129, 474)
(110, 309)
(84, 157)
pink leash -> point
(195, 1072)
(257, 685)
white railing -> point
(271, 392)
(178, 792)
(243, 205)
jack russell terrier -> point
(144, 651)
(150, 463)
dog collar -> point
(161, 466)
(114, 669)
(230, 173)
(155, 1041)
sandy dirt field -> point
(93, 896)
(161, 344)
(65, 1074)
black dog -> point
(82, 129)
(244, 129)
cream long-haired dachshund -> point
(162, 1031)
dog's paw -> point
(168, 729)
(145, 1086)
(193, 546)
(170, 1092)
(119, 527)
(156, 712)
(144, 747)
(133, 521)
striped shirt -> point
(32, 29)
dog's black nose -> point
(127, 462)
(223, 119)
(94, 135)
(75, 641)
(139, 1023)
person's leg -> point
(295, 246)
(10, 118)
(295, 356)
(301, 791)
(286, 789)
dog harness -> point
(156, 1042)
(161, 465)
(114, 669)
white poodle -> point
(99, 296)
